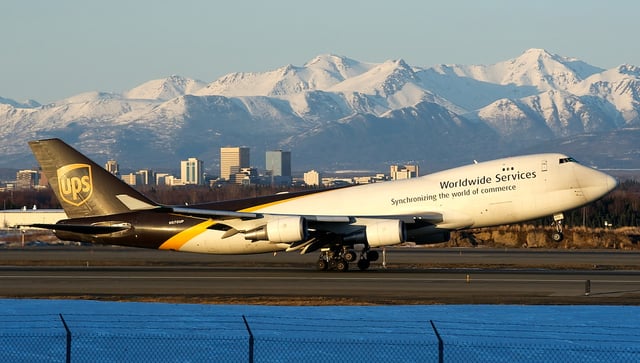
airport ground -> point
(407, 276)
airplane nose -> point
(594, 183)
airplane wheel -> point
(350, 256)
(557, 236)
(342, 265)
(373, 255)
(322, 265)
(364, 264)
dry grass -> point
(529, 236)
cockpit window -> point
(568, 160)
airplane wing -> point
(307, 233)
(429, 217)
(223, 214)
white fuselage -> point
(490, 193)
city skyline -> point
(192, 173)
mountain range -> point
(336, 113)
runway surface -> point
(410, 276)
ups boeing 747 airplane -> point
(345, 225)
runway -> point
(411, 276)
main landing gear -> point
(557, 236)
(338, 258)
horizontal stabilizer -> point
(134, 204)
(83, 228)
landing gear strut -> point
(557, 236)
(338, 258)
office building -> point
(245, 176)
(130, 179)
(278, 163)
(27, 179)
(146, 177)
(313, 178)
(163, 178)
(112, 167)
(232, 159)
(191, 171)
(404, 172)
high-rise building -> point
(232, 159)
(312, 178)
(167, 179)
(131, 179)
(146, 177)
(278, 165)
(112, 167)
(279, 162)
(191, 171)
(27, 179)
(161, 179)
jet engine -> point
(386, 232)
(428, 235)
(280, 230)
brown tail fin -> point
(84, 188)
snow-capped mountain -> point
(335, 112)
(165, 89)
(26, 104)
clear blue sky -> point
(51, 50)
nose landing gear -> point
(557, 236)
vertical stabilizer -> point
(84, 188)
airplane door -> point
(544, 168)
(543, 186)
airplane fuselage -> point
(478, 195)
(490, 193)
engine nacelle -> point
(281, 230)
(428, 235)
(433, 238)
(383, 233)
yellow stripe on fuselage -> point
(178, 240)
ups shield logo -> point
(75, 183)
